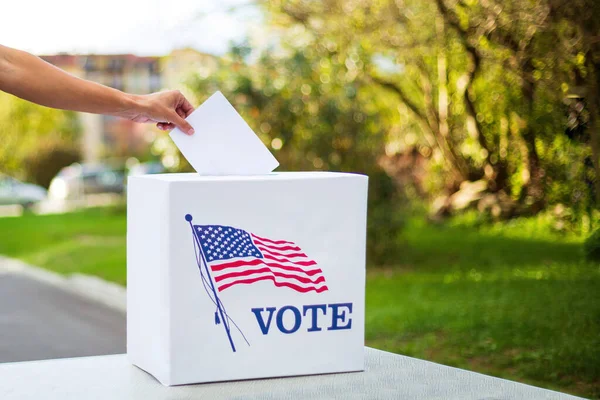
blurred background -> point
(478, 123)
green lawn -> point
(513, 299)
(90, 242)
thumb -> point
(182, 124)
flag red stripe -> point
(271, 241)
(302, 279)
(265, 249)
(276, 283)
(283, 250)
(295, 248)
(302, 263)
(258, 261)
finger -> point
(180, 112)
(182, 124)
(185, 105)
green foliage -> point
(384, 222)
(47, 158)
(479, 88)
(23, 126)
(591, 247)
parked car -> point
(78, 180)
(147, 168)
(13, 191)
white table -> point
(387, 376)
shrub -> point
(591, 247)
(384, 222)
(46, 160)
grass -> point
(513, 300)
(89, 242)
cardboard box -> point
(243, 277)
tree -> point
(479, 79)
(26, 129)
(578, 24)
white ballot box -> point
(243, 277)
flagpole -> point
(188, 218)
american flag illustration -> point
(236, 257)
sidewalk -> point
(44, 316)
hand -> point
(168, 109)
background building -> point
(106, 136)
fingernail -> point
(191, 131)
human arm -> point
(31, 78)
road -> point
(40, 321)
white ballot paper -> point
(223, 144)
